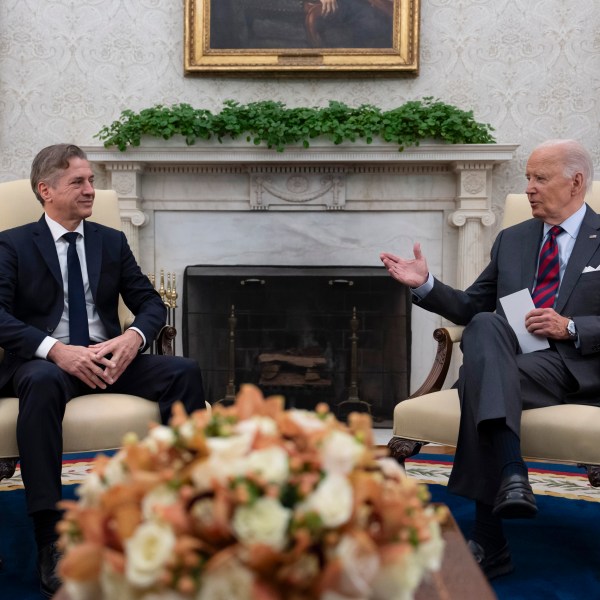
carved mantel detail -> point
(454, 179)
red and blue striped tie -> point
(548, 275)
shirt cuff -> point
(143, 338)
(422, 291)
(45, 347)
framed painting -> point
(301, 37)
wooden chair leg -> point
(8, 467)
(401, 448)
(593, 473)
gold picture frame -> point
(301, 37)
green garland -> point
(277, 126)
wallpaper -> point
(530, 68)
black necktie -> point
(79, 334)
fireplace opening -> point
(339, 335)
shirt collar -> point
(57, 230)
(572, 224)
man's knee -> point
(486, 324)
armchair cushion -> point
(93, 422)
(566, 433)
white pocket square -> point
(590, 269)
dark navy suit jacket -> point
(32, 295)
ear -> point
(577, 184)
(44, 191)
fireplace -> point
(338, 335)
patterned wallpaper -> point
(531, 68)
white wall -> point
(531, 68)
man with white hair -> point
(556, 255)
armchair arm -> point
(446, 337)
(165, 341)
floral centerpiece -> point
(248, 502)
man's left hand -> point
(547, 323)
(123, 348)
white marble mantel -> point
(239, 204)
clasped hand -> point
(92, 365)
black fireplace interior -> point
(339, 335)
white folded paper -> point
(516, 306)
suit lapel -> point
(93, 254)
(43, 239)
(586, 244)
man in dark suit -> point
(59, 345)
(554, 256)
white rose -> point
(90, 490)
(271, 463)
(163, 434)
(307, 420)
(147, 551)
(233, 446)
(391, 469)
(360, 562)
(254, 425)
(214, 469)
(399, 580)
(332, 500)
(115, 471)
(187, 430)
(340, 452)
(264, 522)
(232, 581)
(431, 552)
(162, 495)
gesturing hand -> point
(411, 272)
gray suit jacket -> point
(512, 267)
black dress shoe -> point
(48, 558)
(494, 565)
(515, 499)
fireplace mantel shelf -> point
(169, 152)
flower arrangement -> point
(248, 502)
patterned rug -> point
(562, 481)
(546, 479)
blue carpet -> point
(556, 555)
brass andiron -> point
(168, 294)
(229, 397)
(353, 398)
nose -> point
(88, 189)
(530, 187)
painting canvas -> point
(301, 36)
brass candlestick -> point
(353, 398)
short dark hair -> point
(50, 162)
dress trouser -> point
(497, 382)
(44, 389)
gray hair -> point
(50, 162)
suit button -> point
(49, 329)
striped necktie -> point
(548, 275)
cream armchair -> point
(566, 434)
(90, 423)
